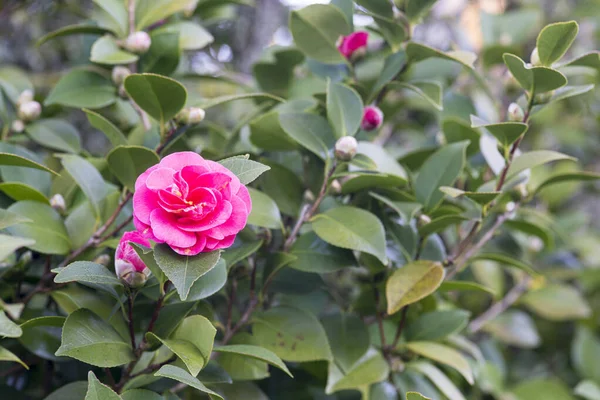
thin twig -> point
(400, 328)
(379, 317)
(111, 378)
(130, 317)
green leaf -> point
(589, 390)
(316, 29)
(192, 36)
(431, 91)
(554, 41)
(18, 161)
(99, 391)
(255, 352)
(439, 379)
(441, 169)
(246, 170)
(113, 16)
(570, 91)
(163, 55)
(159, 96)
(505, 132)
(284, 186)
(106, 51)
(87, 338)
(114, 134)
(141, 394)
(531, 229)
(348, 337)
(209, 283)
(71, 391)
(533, 159)
(412, 282)
(180, 375)
(55, 134)
(385, 163)
(391, 68)
(417, 52)
(292, 334)
(344, 109)
(557, 303)
(371, 368)
(405, 209)
(481, 198)
(8, 218)
(309, 130)
(416, 9)
(87, 178)
(534, 79)
(147, 256)
(457, 130)
(542, 388)
(9, 328)
(217, 101)
(585, 350)
(443, 354)
(46, 227)
(183, 271)
(233, 255)
(41, 336)
(567, 177)
(315, 255)
(148, 12)
(515, 328)
(589, 60)
(129, 162)
(242, 368)
(415, 396)
(462, 286)
(441, 223)
(508, 260)
(82, 88)
(72, 30)
(352, 228)
(13, 81)
(86, 271)
(265, 212)
(8, 244)
(437, 325)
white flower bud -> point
(25, 97)
(17, 126)
(309, 196)
(336, 187)
(515, 113)
(534, 59)
(190, 115)
(119, 73)
(423, 220)
(138, 42)
(29, 111)
(58, 203)
(535, 244)
(510, 207)
(345, 148)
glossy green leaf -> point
(310, 131)
(86, 337)
(441, 169)
(55, 134)
(412, 282)
(344, 109)
(351, 228)
(505, 132)
(554, 41)
(41, 336)
(9, 328)
(192, 36)
(180, 375)
(148, 12)
(418, 52)
(114, 134)
(87, 178)
(72, 30)
(515, 328)
(81, 88)
(416, 9)
(246, 170)
(233, 255)
(436, 325)
(315, 255)
(164, 54)
(431, 91)
(567, 177)
(440, 224)
(183, 271)
(99, 391)
(113, 16)
(443, 354)
(19, 161)
(20, 191)
(481, 198)
(534, 79)
(86, 271)
(265, 212)
(106, 51)
(129, 162)
(557, 302)
(371, 368)
(256, 352)
(316, 29)
(292, 334)
(533, 159)
(209, 283)
(46, 227)
(159, 96)
(348, 338)
(439, 379)
(8, 218)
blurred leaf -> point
(416, 396)
(20, 191)
(191, 35)
(416, 9)
(508, 260)
(99, 391)
(431, 91)
(542, 388)
(85, 271)
(159, 96)
(533, 159)
(71, 391)
(369, 369)
(344, 109)
(585, 350)
(589, 390)
(106, 51)
(246, 170)
(590, 60)
(283, 186)
(505, 132)
(147, 12)
(72, 30)
(554, 41)
(82, 88)
(412, 282)
(114, 16)
(256, 352)
(439, 379)
(316, 29)
(8, 218)
(437, 325)
(55, 134)
(440, 224)
(129, 162)
(450, 286)
(417, 52)
(315, 255)
(557, 303)
(567, 177)
(19, 161)
(180, 375)
(534, 79)
(141, 394)
(233, 255)
(163, 55)
(14, 81)
(8, 244)
(242, 368)
(566, 92)
(217, 101)
(349, 339)
(264, 211)
(309, 130)
(394, 63)
(88, 179)
(9, 328)
(352, 228)
(114, 135)
(532, 229)
(443, 354)
(481, 198)
(515, 328)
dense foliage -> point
(368, 217)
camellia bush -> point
(366, 216)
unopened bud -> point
(345, 148)
(372, 118)
(534, 59)
(29, 111)
(515, 113)
(309, 196)
(535, 244)
(423, 220)
(543, 98)
(122, 92)
(102, 259)
(58, 203)
(510, 207)
(129, 267)
(119, 73)
(17, 126)
(336, 187)
(25, 97)
(521, 190)
(190, 115)
(138, 42)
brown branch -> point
(400, 328)
(111, 378)
(130, 322)
(379, 318)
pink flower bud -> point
(348, 45)
(128, 265)
(138, 42)
(372, 118)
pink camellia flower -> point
(372, 118)
(192, 204)
(348, 45)
(128, 265)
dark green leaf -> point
(113, 133)
(192, 36)
(55, 134)
(113, 16)
(18, 161)
(209, 283)
(264, 211)
(20, 191)
(180, 375)
(371, 368)
(315, 255)
(416, 9)
(418, 52)
(8, 218)
(441, 223)
(481, 198)
(515, 328)
(557, 303)
(71, 391)
(148, 12)
(344, 109)
(41, 336)
(86, 271)
(431, 91)
(437, 325)
(348, 338)
(391, 68)
(141, 394)
(256, 352)
(506, 132)
(72, 30)
(82, 88)
(87, 178)
(99, 391)
(9, 328)
(462, 286)
(533, 159)
(129, 162)
(163, 55)
(159, 96)
(309, 130)
(8, 244)
(217, 101)
(508, 260)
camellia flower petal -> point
(128, 264)
(348, 45)
(192, 204)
